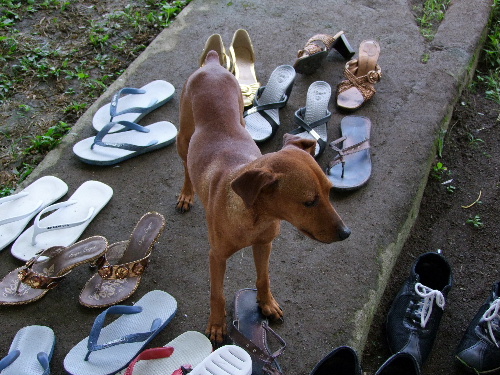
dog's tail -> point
(212, 57)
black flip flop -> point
(249, 331)
(352, 167)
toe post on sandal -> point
(361, 76)
(310, 58)
(352, 167)
(313, 118)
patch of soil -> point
(471, 155)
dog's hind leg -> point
(269, 306)
(186, 130)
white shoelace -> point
(489, 315)
(430, 296)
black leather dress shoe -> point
(341, 361)
(479, 348)
(400, 364)
(413, 320)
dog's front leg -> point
(269, 306)
(217, 329)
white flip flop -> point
(112, 148)
(227, 360)
(109, 349)
(18, 209)
(30, 352)
(66, 224)
(134, 106)
(187, 350)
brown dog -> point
(245, 194)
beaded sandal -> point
(47, 269)
(361, 74)
(310, 58)
(121, 268)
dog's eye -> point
(312, 203)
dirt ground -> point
(472, 158)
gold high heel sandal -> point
(243, 60)
(214, 42)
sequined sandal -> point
(361, 74)
(243, 59)
(317, 48)
(121, 268)
(47, 269)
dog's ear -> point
(249, 184)
(308, 145)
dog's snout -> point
(344, 233)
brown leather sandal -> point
(317, 48)
(361, 74)
(121, 268)
(47, 269)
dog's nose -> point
(344, 233)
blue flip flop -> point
(109, 349)
(30, 352)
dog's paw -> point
(216, 332)
(271, 309)
(184, 204)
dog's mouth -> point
(310, 235)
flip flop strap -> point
(37, 280)
(342, 152)
(37, 229)
(365, 83)
(121, 271)
(95, 332)
(299, 120)
(43, 359)
(128, 90)
(9, 359)
(148, 354)
(98, 140)
(256, 351)
(261, 108)
(22, 216)
(311, 48)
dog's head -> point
(290, 185)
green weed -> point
(49, 140)
(475, 221)
(430, 15)
(439, 170)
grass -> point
(56, 58)
(430, 15)
(489, 75)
